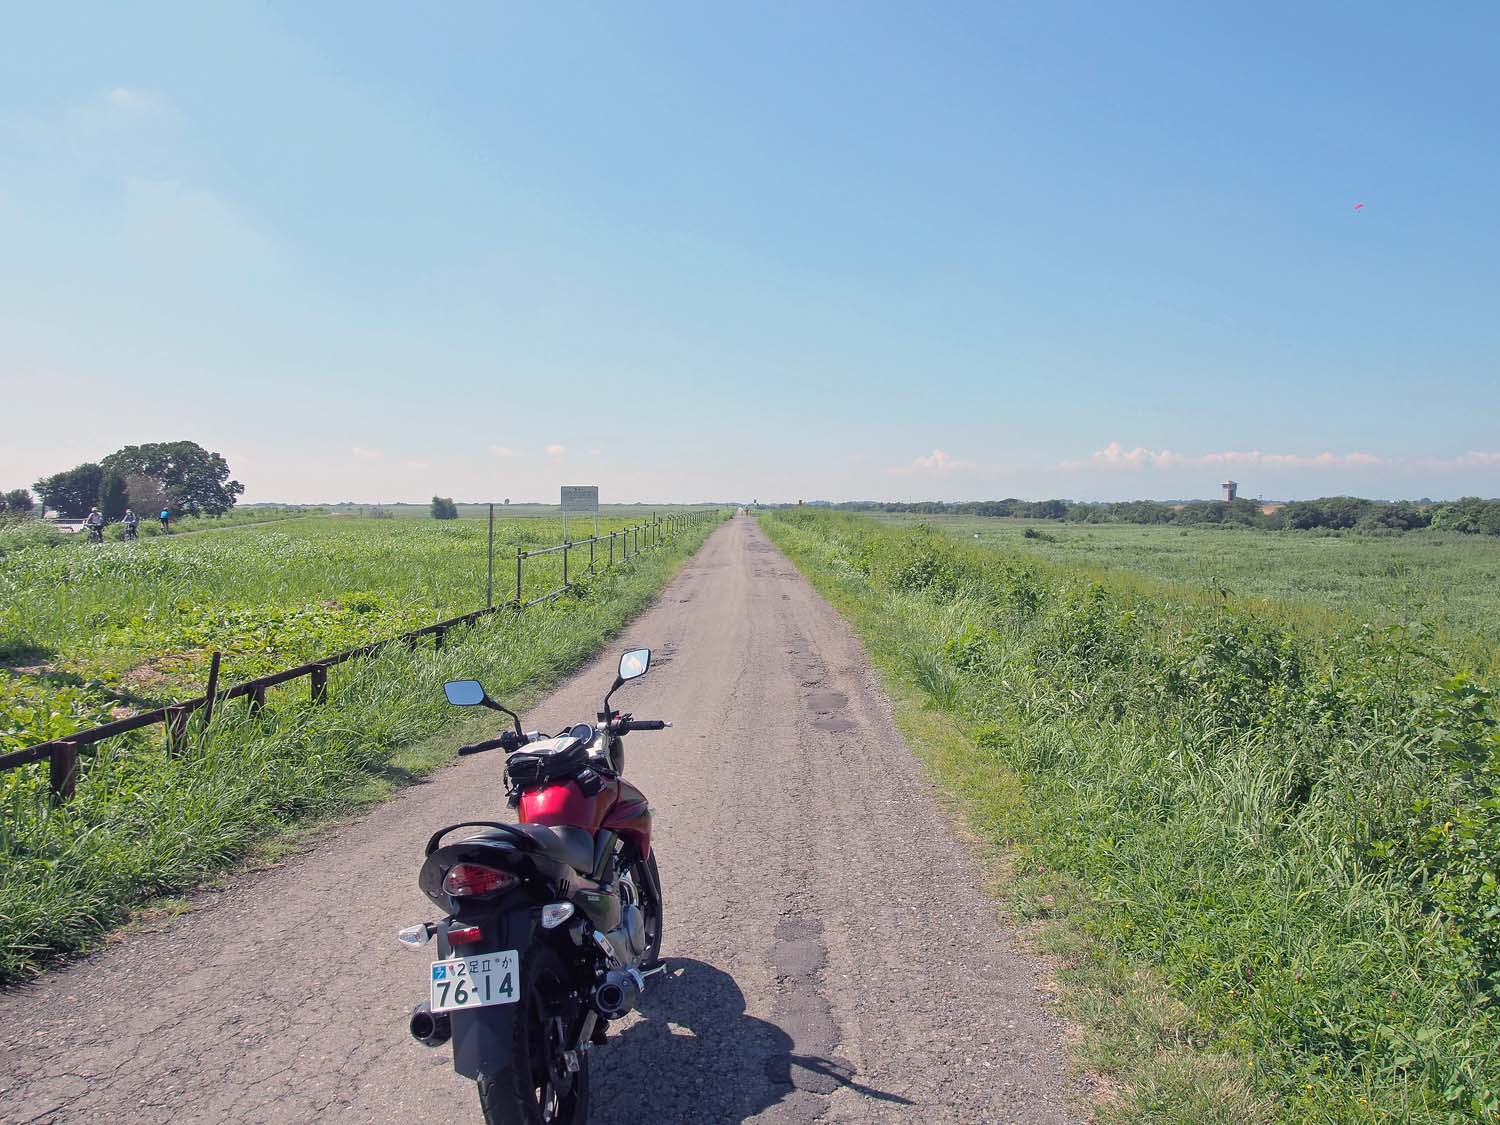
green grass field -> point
(131, 624)
(1450, 582)
(1260, 835)
(88, 630)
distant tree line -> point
(179, 475)
(17, 501)
(1470, 515)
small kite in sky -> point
(1359, 206)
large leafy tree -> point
(196, 481)
(112, 498)
(17, 500)
(72, 492)
(145, 495)
(443, 508)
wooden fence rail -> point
(62, 753)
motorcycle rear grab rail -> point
(519, 838)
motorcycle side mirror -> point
(471, 693)
(634, 664)
(465, 693)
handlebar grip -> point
(648, 724)
(481, 747)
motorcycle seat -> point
(573, 846)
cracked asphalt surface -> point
(833, 956)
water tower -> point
(1229, 490)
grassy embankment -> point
(1447, 580)
(1263, 843)
(146, 823)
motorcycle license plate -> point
(476, 982)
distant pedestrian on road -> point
(132, 523)
(166, 521)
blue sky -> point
(779, 251)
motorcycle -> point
(552, 926)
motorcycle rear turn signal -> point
(476, 879)
(554, 914)
(414, 937)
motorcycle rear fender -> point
(484, 1038)
(539, 871)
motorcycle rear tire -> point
(512, 1097)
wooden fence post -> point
(213, 690)
(177, 718)
(437, 636)
(319, 680)
(257, 698)
(518, 577)
(62, 771)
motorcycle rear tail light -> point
(476, 879)
(463, 936)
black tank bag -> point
(529, 770)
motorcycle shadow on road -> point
(694, 1055)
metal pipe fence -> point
(61, 754)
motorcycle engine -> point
(629, 938)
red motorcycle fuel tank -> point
(630, 816)
(617, 806)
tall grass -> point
(1292, 827)
(145, 822)
(1448, 580)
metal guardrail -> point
(62, 753)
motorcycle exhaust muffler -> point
(429, 1028)
(617, 993)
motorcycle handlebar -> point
(642, 724)
(506, 740)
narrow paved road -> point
(834, 959)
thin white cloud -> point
(937, 461)
(502, 451)
(1116, 456)
(362, 454)
(556, 450)
(127, 106)
(1474, 459)
(594, 452)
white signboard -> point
(580, 500)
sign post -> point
(489, 582)
(580, 499)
